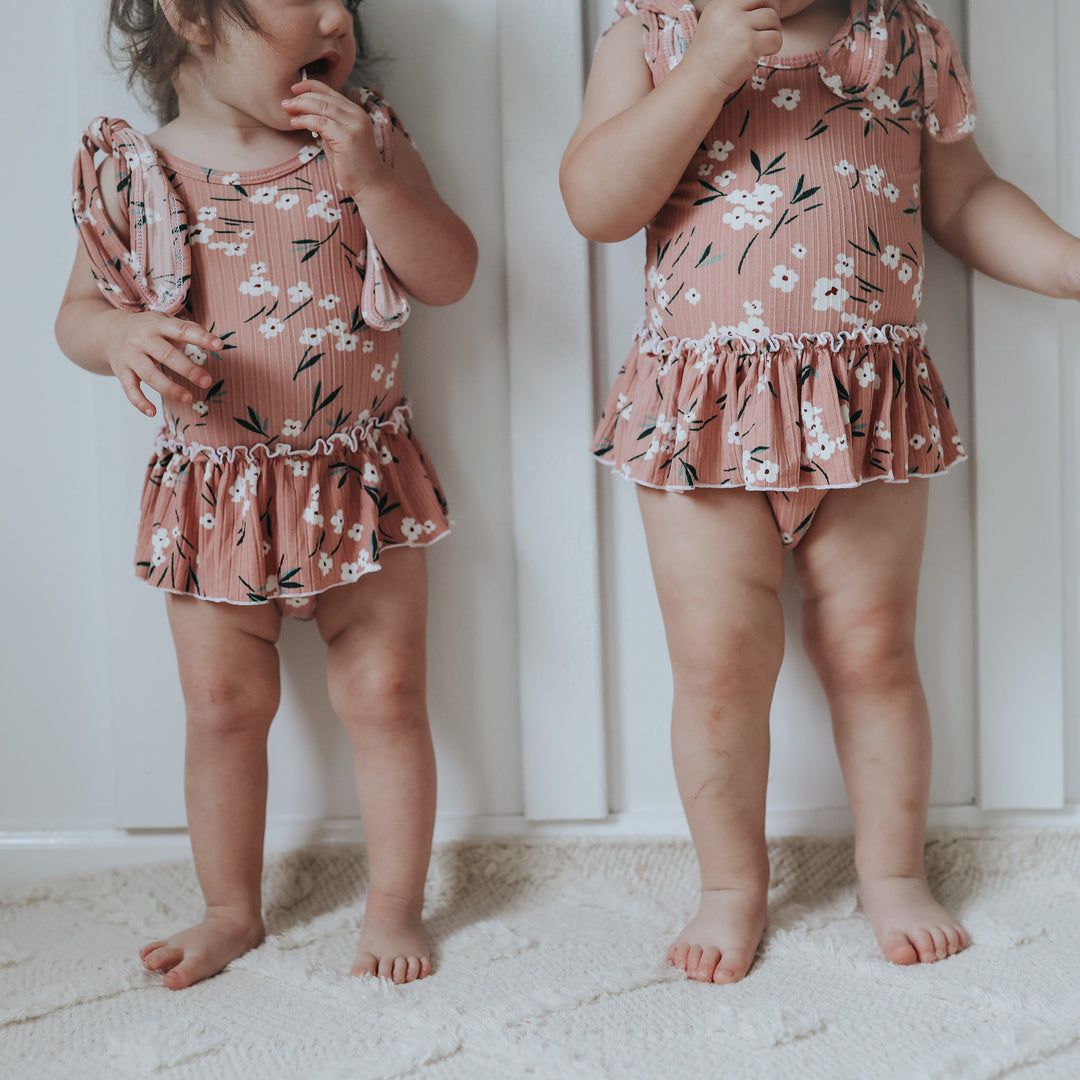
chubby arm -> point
(634, 141)
(129, 345)
(430, 249)
(992, 225)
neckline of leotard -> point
(252, 176)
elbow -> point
(457, 282)
(596, 220)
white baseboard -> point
(31, 854)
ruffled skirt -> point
(783, 415)
(252, 525)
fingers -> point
(129, 381)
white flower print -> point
(356, 532)
(737, 218)
(207, 213)
(368, 346)
(845, 168)
(312, 335)
(891, 257)
(753, 307)
(693, 296)
(352, 571)
(783, 279)
(935, 434)
(891, 192)
(300, 466)
(768, 472)
(881, 431)
(195, 354)
(347, 343)
(385, 456)
(246, 234)
(229, 178)
(229, 249)
(336, 326)
(663, 299)
(300, 292)
(326, 564)
(799, 251)
(959, 444)
(867, 376)
(271, 328)
(337, 522)
(829, 293)
(258, 268)
(841, 441)
(905, 273)
(923, 371)
(866, 114)
(291, 427)
(330, 302)
(200, 408)
(266, 194)
(256, 286)
(724, 178)
(704, 170)
(918, 442)
(312, 515)
(429, 526)
(821, 446)
(207, 521)
(377, 372)
(874, 307)
(888, 71)
(371, 474)
(719, 150)
(787, 99)
(810, 413)
(834, 82)
(309, 153)
(411, 529)
(734, 435)
(200, 234)
(287, 201)
(845, 265)
(757, 82)
(917, 292)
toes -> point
(400, 969)
(924, 945)
(146, 950)
(412, 969)
(898, 950)
(952, 939)
(386, 967)
(941, 942)
(703, 972)
(183, 975)
(164, 958)
(366, 964)
(693, 958)
(732, 967)
(425, 967)
(965, 939)
(677, 955)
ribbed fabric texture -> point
(780, 346)
(298, 466)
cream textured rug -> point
(550, 964)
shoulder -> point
(620, 54)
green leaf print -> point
(318, 402)
(308, 361)
(255, 423)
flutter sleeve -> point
(948, 99)
(384, 304)
(150, 271)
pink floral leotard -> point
(780, 348)
(298, 466)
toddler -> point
(249, 261)
(784, 157)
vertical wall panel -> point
(1018, 396)
(550, 336)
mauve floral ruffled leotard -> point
(781, 348)
(298, 466)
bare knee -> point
(381, 695)
(874, 647)
(223, 708)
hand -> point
(136, 342)
(348, 137)
(731, 37)
(1070, 270)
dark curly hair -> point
(141, 42)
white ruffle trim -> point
(365, 431)
(673, 348)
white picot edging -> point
(364, 431)
(673, 348)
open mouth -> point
(318, 68)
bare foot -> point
(392, 945)
(201, 951)
(719, 943)
(911, 926)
